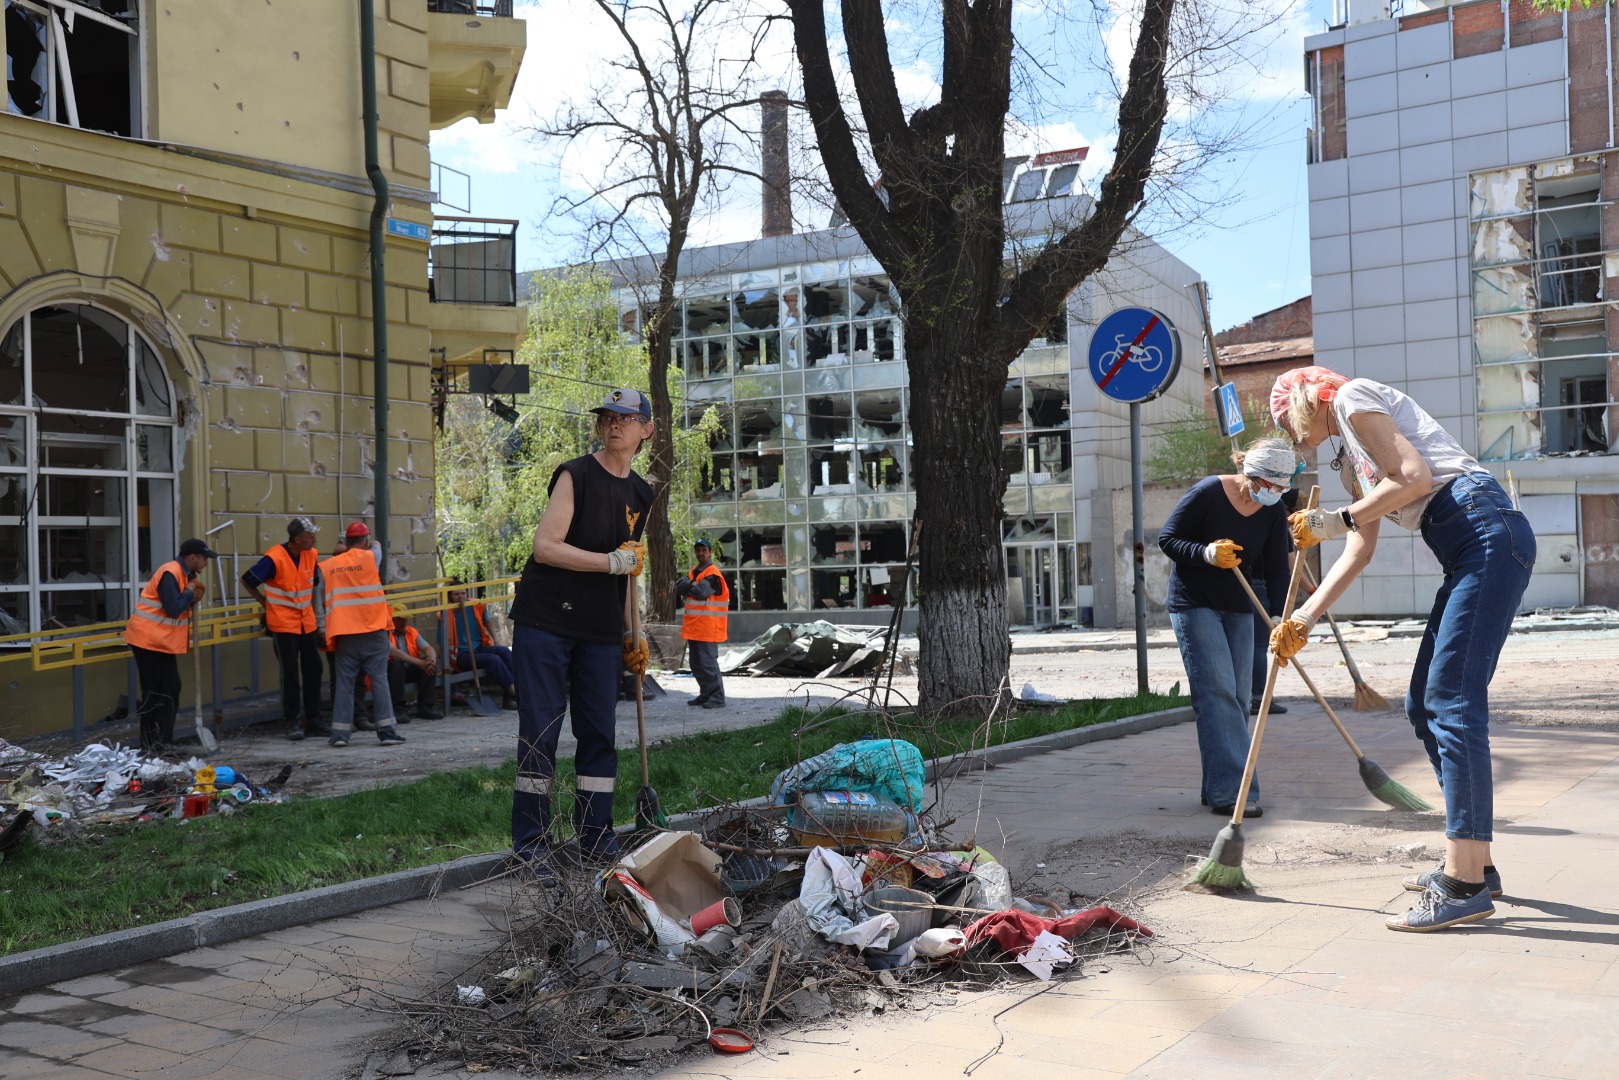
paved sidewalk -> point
(1297, 980)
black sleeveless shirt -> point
(607, 511)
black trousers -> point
(705, 668)
(400, 673)
(300, 677)
(160, 695)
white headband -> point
(1271, 463)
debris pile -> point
(840, 897)
(818, 649)
(102, 784)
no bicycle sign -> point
(1134, 355)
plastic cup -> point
(726, 912)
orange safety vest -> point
(704, 620)
(290, 603)
(355, 603)
(484, 637)
(413, 641)
(151, 627)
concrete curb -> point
(123, 948)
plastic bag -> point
(892, 768)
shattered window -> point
(1540, 339)
(74, 63)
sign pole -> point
(1138, 531)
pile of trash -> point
(819, 649)
(104, 784)
(838, 898)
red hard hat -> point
(357, 529)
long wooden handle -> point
(640, 678)
(1349, 661)
(1319, 697)
(1270, 684)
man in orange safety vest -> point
(357, 624)
(158, 632)
(284, 582)
(707, 602)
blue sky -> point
(1254, 250)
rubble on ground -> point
(819, 649)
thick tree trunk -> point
(960, 478)
(659, 537)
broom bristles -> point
(1397, 795)
(1368, 700)
(1223, 868)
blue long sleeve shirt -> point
(1205, 514)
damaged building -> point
(796, 340)
(186, 318)
(1463, 232)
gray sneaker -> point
(1436, 911)
(1421, 882)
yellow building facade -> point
(185, 297)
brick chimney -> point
(776, 215)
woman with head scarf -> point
(1398, 463)
(1226, 521)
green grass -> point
(118, 877)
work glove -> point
(636, 653)
(1289, 636)
(629, 558)
(1310, 527)
(1223, 553)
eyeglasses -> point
(614, 419)
(1266, 484)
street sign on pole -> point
(1134, 355)
(1231, 423)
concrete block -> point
(185, 226)
(8, 195)
(407, 82)
(1379, 325)
(1328, 179)
(199, 314)
(168, 275)
(408, 342)
(1434, 280)
(1329, 217)
(1337, 359)
(1426, 164)
(254, 240)
(1540, 103)
(1424, 85)
(1384, 362)
(1334, 330)
(412, 498)
(1427, 202)
(310, 330)
(254, 492)
(1478, 115)
(1537, 63)
(1428, 241)
(1378, 287)
(229, 449)
(74, 959)
(1377, 94)
(1538, 143)
(1439, 397)
(1423, 46)
(138, 225)
(407, 267)
(220, 275)
(1369, 56)
(338, 295)
(1482, 74)
(255, 406)
(1329, 254)
(1374, 210)
(309, 411)
(1331, 292)
(408, 14)
(311, 495)
(1552, 513)
(280, 286)
(281, 452)
(1378, 247)
(410, 156)
(413, 421)
(305, 249)
(1439, 358)
(351, 257)
(247, 322)
(17, 260)
(1374, 172)
(1431, 319)
(1425, 124)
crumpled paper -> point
(830, 897)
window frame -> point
(58, 61)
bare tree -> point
(668, 116)
(936, 224)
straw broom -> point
(1383, 787)
(1223, 868)
(1366, 699)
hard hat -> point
(399, 611)
(357, 529)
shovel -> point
(204, 736)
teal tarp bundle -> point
(889, 767)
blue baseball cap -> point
(625, 402)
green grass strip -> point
(122, 876)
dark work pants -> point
(300, 678)
(400, 674)
(160, 696)
(492, 660)
(705, 668)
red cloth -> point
(1015, 930)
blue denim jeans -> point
(1487, 551)
(1217, 648)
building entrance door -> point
(1599, 549)
(1041, 584)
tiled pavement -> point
(1299, 979)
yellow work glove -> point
(636, 653)
(1310, 527)
(1223, 553)
(1289, 636)
(629, 558)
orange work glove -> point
(1223, 553)
(1310, 527)
(636, 653)
(629, 558)
(1289, 636)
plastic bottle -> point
(828, 818)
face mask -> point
(1266, 497)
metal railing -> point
(473, 261)
(489, 9)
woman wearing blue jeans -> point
(1226, 521)
(1400, 464)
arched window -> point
(88, 459)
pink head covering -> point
(1327, 380)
